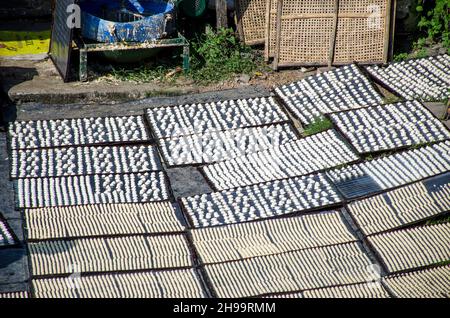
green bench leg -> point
(83, 66)
(186, 58)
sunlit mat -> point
(19, 43)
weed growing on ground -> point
(318, 125)
(392, 99)
(439, 220)
(401, 57)
(219, 55)
(215, 56)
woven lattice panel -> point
(251, 19)
(306, 27)
(361, 31)
(306, 31)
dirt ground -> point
(39, 81)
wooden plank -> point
(334, 34)
(61, 38)
(278, 35)
(267, 31)
(221, 13)
(390, 24)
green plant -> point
(318, 125)
(439, 220)
(401, 57)
(435, 22)
(420, 53)
(219, 55)
(148, 72)
(391, 99)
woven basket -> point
(251, 20)
(306, 31)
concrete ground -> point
(39, 81)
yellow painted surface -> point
(13, 43)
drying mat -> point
(96, 189)
(427, 79)
(183, 283)
(301, 157)
(265, 200)
(77, 132)
(183, 120)
(413, 248)
(311, 32)
(428, 283)
(287, 272)
(253, 239)
(399, 169)
(7, 237)
(223, 145)
(128, 253)
(341, 89)
(390, 127)
(103, 220)
(76, 161)
(251, 20)
(403, 206)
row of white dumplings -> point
(171, 122)
(390, 126)
(223, 145)
(426, 79)
(297, 158)
(400, 207)
(237, 241)
(360, 290)
(260, 201)
(340, 89)
(364, 290)
(73, 132)
(183, 283)
(109, 254)
(18, 294)
(83, 160)
(300, 270)
(6, 237)
(428, 283)
(310, 106)
(324, 82)
(103, 219)
(400, 168)
(65, 191)
(413, 248)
